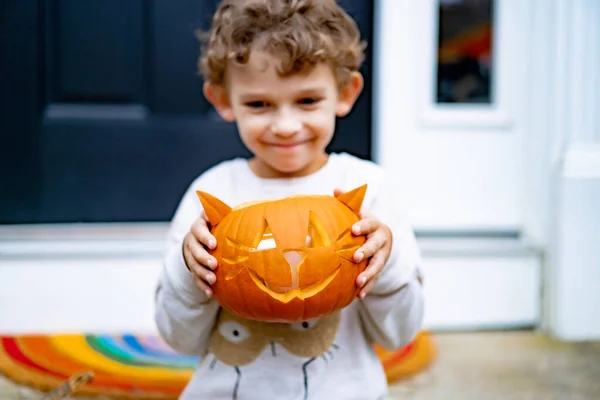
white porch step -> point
(481, 283)
(80, 277)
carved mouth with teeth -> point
(284, 294)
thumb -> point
(337, 192)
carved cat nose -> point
(294, 257)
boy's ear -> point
(349, 93)
(217, 96)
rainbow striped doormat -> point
(140, 367)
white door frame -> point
(562, 211)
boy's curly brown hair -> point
(301, 33)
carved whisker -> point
(306, 376)
(237, 382)
(273, 349)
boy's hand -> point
(377, 247)
(197, 259)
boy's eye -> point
(309, 100)
(256, 104)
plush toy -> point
(286, 260)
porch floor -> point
(521, 365)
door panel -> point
(459, 163)
(95, 51)
(19, 84)
(451, 135)
(106, 120)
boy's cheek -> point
(252, 125)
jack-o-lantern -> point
(286, 260)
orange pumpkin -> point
(286, 260)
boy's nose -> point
(286, 125)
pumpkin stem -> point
(214, 208)
(354, 198)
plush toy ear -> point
(354, 198)
(214, 208)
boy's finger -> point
(373, 269)
(202, 272)
(365, 291)
(204, 216)
(200, 254)
(202, 286)
(371, 246)
(203, 235)
(365, 226)
(202, 257)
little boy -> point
(283, 70)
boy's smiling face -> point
(285, 121)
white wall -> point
(574, 254)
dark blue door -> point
(102, 116)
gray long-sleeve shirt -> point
(330, 358)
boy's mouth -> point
(289, 145)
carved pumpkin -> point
(286, 260)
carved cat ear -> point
(214, 208)
(354, 198)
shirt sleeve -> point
(184, 315)
(392, 313)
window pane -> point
(464, 51)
